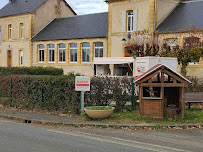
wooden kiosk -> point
(161, 90)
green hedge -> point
(59, 93)
(4, 71)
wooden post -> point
(162, 77)
(180, 98)
(162, 102)
(183, 102)
(140, 100)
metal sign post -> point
(82, 102)
(82, 83)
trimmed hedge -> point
(4, 71)
(59, 93)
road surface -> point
(17, 137)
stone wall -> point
(46, 13)
(16, 43)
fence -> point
(58, 93)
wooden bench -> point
(195, 97)
(190, 102)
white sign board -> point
(141, 67)
(82, 83)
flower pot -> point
(99, 114)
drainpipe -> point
(154, 15)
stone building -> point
(20, 20)
(49, 33)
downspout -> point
(154, 35)
(154, 15)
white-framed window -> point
(21, 57)
(62, 52)
(172, 43)
(0, 35)
(51, 51)
(73, 52)
(41, 53)
(9, 31)
(21, 30)
(130, 20)
(98, 49)
(85, 52)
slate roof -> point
(83, 26)
(20, 7)
(23, 6)
(183, 16)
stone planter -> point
(99, 114)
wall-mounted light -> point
(123, 40)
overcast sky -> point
(80, 6)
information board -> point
(82, 83)
(141, 67)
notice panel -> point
(82, 83)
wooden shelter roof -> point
(156, 68)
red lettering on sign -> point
(85, 85)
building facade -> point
(20, 20)
(49, 33)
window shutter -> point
(135, 20)
(123, 21)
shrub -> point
(4, 71)
(196, 86)
(99, 108)
(59, 92)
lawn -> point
(193, 116)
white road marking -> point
(120, 141)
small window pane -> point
(85, 44)
(85, 55)
(101, 53)
(41, 46)
(42, 55)
(99, 44)
(73, 45)
(62, 45)
(64, 55)
(97, 53)
(130, 12)
(51, 45)
(73, 55)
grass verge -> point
(193, 116)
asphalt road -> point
(16, 137)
